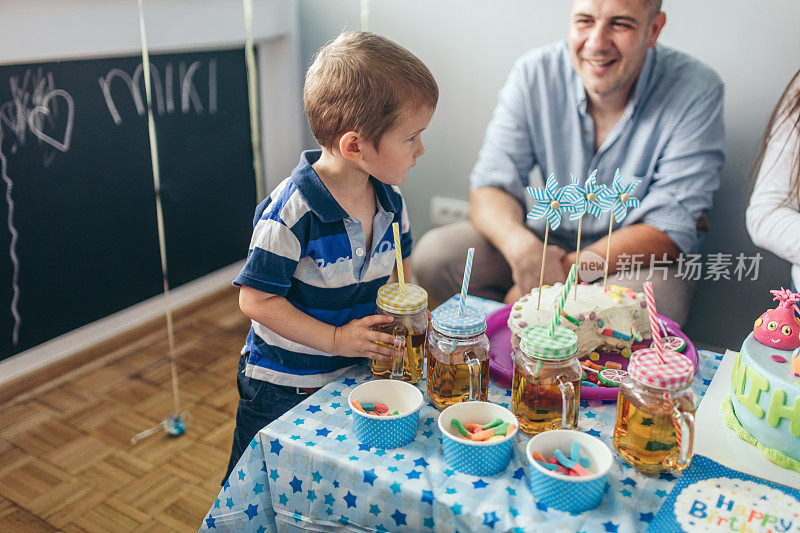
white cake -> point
(612, 321)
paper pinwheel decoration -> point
(549, 201)
(591, 198)
(621, 197)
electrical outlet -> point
(448, 210)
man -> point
(608, 98)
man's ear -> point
(655, 28)
(350, 146)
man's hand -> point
(524, 258)
(357, 339)
(526, 268)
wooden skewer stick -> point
(578, 259)
(541, 271)
(608, 249)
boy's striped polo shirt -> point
(307, 249)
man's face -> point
(608, 40)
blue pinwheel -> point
(622, 197)
(549, 201)
(591, 198)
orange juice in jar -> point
(458, 356)
(546, 387)
(409, 328)
(654, 428)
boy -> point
(322, 242)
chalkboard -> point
(78, 237)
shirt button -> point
(359, 252)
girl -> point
(773, 214)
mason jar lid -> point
(447, 320)
(537, 342)
(676, 371)
(391, 298)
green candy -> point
(395, 413)
(494, 423)
(368, 406)
(461, 429)
(501, 429)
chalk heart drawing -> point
(37, 115)
(729, 504)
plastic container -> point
(574, 494)
(476, 458)
(386, 431)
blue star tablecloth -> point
(307, 471)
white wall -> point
(46, 30)
(470, 45)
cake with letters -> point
(763, 406)
(614, 320)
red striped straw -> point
(651, 311)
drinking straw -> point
(573, 272)
(462, 304)
(398, 256)
(651, 311)
(662, 327)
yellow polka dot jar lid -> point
(537, 342)
(392, 299)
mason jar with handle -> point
(458, 356)
(546, 387)
(409, 310)
(654, 428)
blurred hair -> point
(654, 5)
(786, 112)
(362, 82)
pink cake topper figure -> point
(779, 328)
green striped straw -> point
(573, 272)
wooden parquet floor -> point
(66, 461)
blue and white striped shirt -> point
(307, 249)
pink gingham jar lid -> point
(675, 372)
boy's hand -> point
(356, 339)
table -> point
(307, 471)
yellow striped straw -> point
(399, 256)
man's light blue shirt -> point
(670, 136)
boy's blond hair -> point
(362, 82)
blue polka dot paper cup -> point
(476, 458)
(574, 494)
(386, 431)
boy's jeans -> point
(260, 403)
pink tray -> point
(501, 363)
